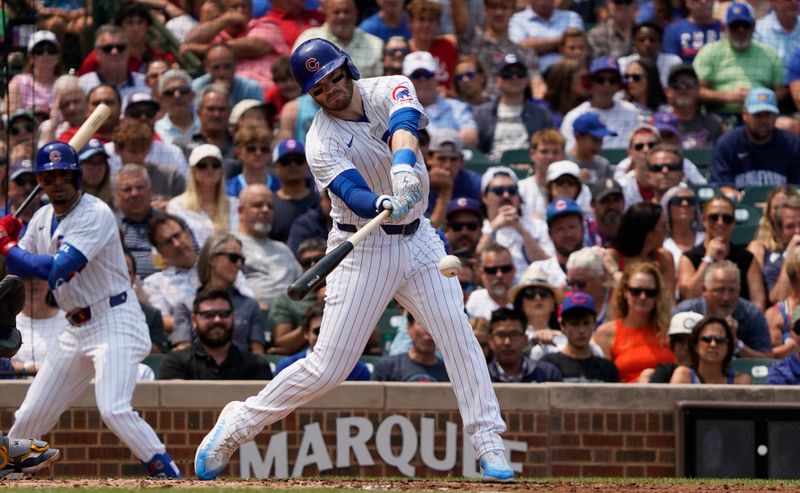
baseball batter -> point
(363, 147)
(74, 244)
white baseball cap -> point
(243, 107)
(561, 168)
(41, 36)
(682, 323)
(203, 151)
(419, 60)
(490, 173)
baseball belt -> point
(80, 316)
(390, 229)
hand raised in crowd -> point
(795, 241)
(717, 249)
(507, 216)
(440, 180)
(739, 95)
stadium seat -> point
(370, 361)
(757, 368)
(756, 196)
(477, 161)
(272, 359)
(703, 192)
(516, 156)
(391, 320)
(747, 218)
(700, 157)
(154, 362)
(614, 156)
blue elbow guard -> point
(26, 264)
(66, 263)
(406, 119)
(351, 187)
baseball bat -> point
(314, 276)
(81, 137)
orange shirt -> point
(635, 350)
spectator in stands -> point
(665, 165)
(424, 19)
(547, 147)
(711, 347)
(509, 121)
(537, 300)
(756, 153)
(448, 177)
(102, 94)
(95, 170)
(134, 19)
(33, 88)
(608, 205)
(220, 68)
(213, 356)
(295, 118)
(471, 81)
(218, 264)
(40, 323)
(21, 134)
(728, 68)
(249, 113)
(284, 89)
(540, 27)
(253, 148)
(389, 21)
(563, 180)
(394, 52)
(620, 116)
(680, 328)
(685, 221)
(567, 84)
(175, 95)
(68, 108)
(787, 371)
(133, 194)
(204, 205)
(613, 37)
(589, 131)
(721, 297)
(141, 106)
(155, 323)
(641, 238)
(508, 342)
(272, 264)
(497, 276)
(574, 45)
(183, 20)
(632, 172)
(575, 360)
(777, 236)
(586, 272)
(22, 181)
(419, 364)
(643, 87)
(779, 316)
(213, 107)
(526, 238)
(295, 194)
(341, 16)
(112, 48)
(697, 130)
(566, 228)
(316, 222)
(442, 112)
(647, 38)
(636, 337)
(685, 37)
(779, 29)
(155, 69)
(462, 226)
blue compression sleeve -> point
(351, 187)
(67, 261)
(26, 264)
(406, 119)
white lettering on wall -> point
(408, 444)
(275, 459)
(357, 443)
(312, 451)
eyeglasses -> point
(513, 74)
(611, 80)
(634, 77)
(720, 340)
(18, 129)
(500, 190)
(149, 112)
(740, 26)
(639, 146)
(252, 149)
(658, 168)
(537, 292)
(727, 219)
(577, 283)
(468, 75)
(291, 161)
(397, 52)
(422, 74)
(315, 331)
(202, 165)
(502, 336)
(683, 84)
(234, 258)
(470, 225)
(181, 91)
(212, 314)
(637, 292)
(492, 271)
(565, 181)
(43, 48)
(108, 49)
(309, 262)
(683, 201)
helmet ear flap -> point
(351, 67)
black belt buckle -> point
(79, 316)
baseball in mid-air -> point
(449, 265)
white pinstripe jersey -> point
(91, 228)
(334, 145)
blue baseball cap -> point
(94, 146)
(666, 122)
(604, 63)
(761, 99)
(739, 11)
(577, 300)
(463, 204)
(591, 124)
(562, 207)
(287, 147)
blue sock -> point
(162, 465)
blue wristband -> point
(404, 160)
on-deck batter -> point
(74, 244)
(362, 146)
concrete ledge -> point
(433, 396)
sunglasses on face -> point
(137, 113)
(202, 165)
(25, 182)
(505, 269)
(252, 149)
(18, 129)
(422, 74)
(720, 340)
(212, 314)
(234, 258)
(642, 145)
(634, 77)
(177, 92)
(108, 49)
(43, 48)
(469, 75)
(500, 190)
(637, 292)
(611, 80)
(470, 225)
(683, 201)
(537, 292)
(658, 168)
(309, 262)
(291, 161)
(740, 26)
(566, 181)
(727, 219)
(683, 84)
(397, 52)
(577, 283)
(513, 74)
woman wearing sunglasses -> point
(204, 206)
(537, 300)
(684, 221)
(33, 88)
(643, 88)
(470, 81)
(719, 221)
(711, 346)
(218, 264)
(636, 340)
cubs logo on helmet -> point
(312, 65)
(58, 155)
(315, 59)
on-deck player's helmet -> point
(316, 58)
(58, 155)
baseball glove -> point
(12, 298)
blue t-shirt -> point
(685, 38)
(793, 67)
(466, 184)
(785, 371)
(740, 163)
(235, 184)
(374, 25)
(360, 371)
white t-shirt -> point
(534, 202)
(511, 239)
(480, 304)
(622, 118)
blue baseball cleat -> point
(216, 448)
(22, 457)
(161, 466)
(495, 468)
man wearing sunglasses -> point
(496, 273)
(111, 47)
(295, 195)
(698, 130)
(213, 356)
(665, 166)
(175, 96)
(462, 227)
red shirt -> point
(70, 132)
(292, 26)
(446, 54)
(134, 64)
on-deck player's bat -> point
(317, 273)
(81, 137)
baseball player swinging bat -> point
(317, 273)
(81, 137)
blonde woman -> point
(205, 206)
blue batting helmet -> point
(317, 58)
(58, 155)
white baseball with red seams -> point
(449, 265)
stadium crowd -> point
(619, 178)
